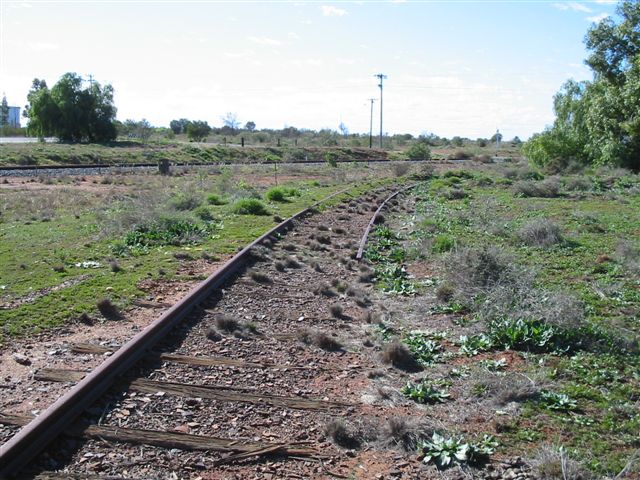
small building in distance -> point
(14, 117)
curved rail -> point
(35, 436)
(372, 222)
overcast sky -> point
(453, 67)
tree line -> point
(598, 121)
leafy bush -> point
(521, 334)
(442, 243)
(475, 344)
(249, 206)
(418, 151)
(276, 194)
(168, 231)
(425, 350)
(204, 213)
(280, 194)
(215, 199)
(424, 392)
(445, 452)
(557, 401)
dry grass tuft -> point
(509, 388)
(628, 255)
(259, 277)
(380, 219)
(341, 434)
(326, 290)
(86, 319)
(114, 266)
(336, 310)
(549, 188)
(213, 335)
(540, 232)
(398, 355)
(292, 262)
(227, 323)
(323, 238)
(403, 433)
(552, 463)
(316, 266)
(319, 339)
(108, 309)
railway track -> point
(249, 376)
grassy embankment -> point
(548, 268)
(134, 152)
(70, 242)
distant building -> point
(14, 117)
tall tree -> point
(231, 121)
(198, 130)
(597, 122)
(70, 112)
(179, 126)
(4, 112)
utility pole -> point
(371, 123)
(381, 77)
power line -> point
(371, 123)
(381, 77)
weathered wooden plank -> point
(182, 441)
(220, 393)
(190, 360)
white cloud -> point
(331, 11)
(237, 55)
(43, 46)
(293, 36)
(271, 42)
(606, 2)
(308, 62)
(573, 6)
(598, 18)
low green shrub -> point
(204, 213)
(424, 392)
(446, 452)
(249, 206)
(215, 199)
(186, 201)
(168, 231)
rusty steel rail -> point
(33, 438)
(372, 222)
